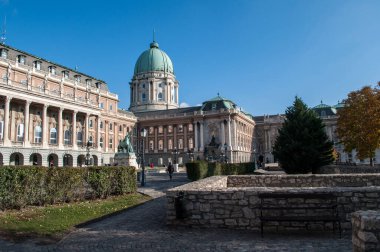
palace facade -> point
(50, 113)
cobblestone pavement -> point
(143, 229)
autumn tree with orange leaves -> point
(359, 122)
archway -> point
(67, 160)
(94, 160)
(16, 158)
(52, 160)
(81, 160)
(35, 159)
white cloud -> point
(184, 105)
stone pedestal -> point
(126, 159)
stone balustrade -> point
(221, 202)
(366, 231)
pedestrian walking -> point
(170, 170)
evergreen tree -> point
(302, 144)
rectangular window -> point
(65, 74)
(151, 130)
(180, 128)
(110, 142)
(151, 145)
(21, 59)
(110, 107)
(180, 143)
(52, 70)
(101, 105)
(4, 53)
(190, 127)
(20, 132)
(37, 65)
(160, 130)
(160, 145)
(170, 129)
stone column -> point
(75, 146)
(222, 134)
(106, 135)
(201, 135)
(195, 129)
(6, 120)
(98, 134)
(155, 139)
(45, 133)
(26, 124)
(60, 129)
(230, 140)
(86, 129)
(165, 129)
(115, 137)
(176, 94)
(185, 140)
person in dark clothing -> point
(170, 170)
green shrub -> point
(31, 185)
(201, 169)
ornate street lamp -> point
(190, 153)
(143, 135)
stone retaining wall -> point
(211, 203)
(345, 169)
(366, 231)
(312, 180)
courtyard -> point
(144, 228)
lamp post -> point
(190, 153)
(143, 135)
(175, 153)
(88, 156)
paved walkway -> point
(143, 229)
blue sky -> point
(259, 54)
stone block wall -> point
(211, 203)
(312, 180)
(366, 231)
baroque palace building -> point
(48, 114)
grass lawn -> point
(54, 220)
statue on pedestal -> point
(125, 155)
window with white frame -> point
(110, 142)
(88, 82)
(20, 132)
(3, 53)
(90, 140)
(101, 142)
(160, 129)
(190, 127)
(160, 144)
(79, 138)
(37, 64)
(77, 78)
(65, 74)
(151, 130)
(170, 129)
(67, 137)
(180, 143)
(101, 105)
(21, 59)
(180, 128)
(52, 69)
(191, 144)
(37, 134)
(91, 123)
(53, 136)
(151, 145)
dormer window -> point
(97, 84)
(37, 64)
(65, 74)
(88, 82)
(3, 53)
(52, 69)
(213, 106)
(77, 78)
(21, 59)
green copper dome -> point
(154, 59)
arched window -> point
(53, 136)
(37, 134)
(101, 142)
(79, 137)
(159, 96)
(67, 137)
(20, 132)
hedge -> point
(202, 169)
(30, 185)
